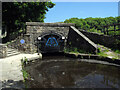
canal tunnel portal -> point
(52, 37)
(47, 37)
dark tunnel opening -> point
(50, 43)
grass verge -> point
(25, 74)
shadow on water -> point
(53, 54)
(58, 71)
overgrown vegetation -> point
(75, 50)
(25, 74)
(95, 24)
(15, 14)
(104, 53)
(108, 53)
(117, 51)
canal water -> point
(63, 72)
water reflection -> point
(71, 73)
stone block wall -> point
(77, 40)
(37, 29)
(41, 30)
(25, 47)
(3, 51)
(81, 40)
(106, 40)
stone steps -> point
(12, 52)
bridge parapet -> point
(50, 24)
(41, 28)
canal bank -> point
(92, 56)
(13, 77)
(11, 70)
(64, 72)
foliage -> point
(117, 51)
(15, 14)
(25, 74)
(114, 54)
(102, 54)
(95, 24)
(75, 50)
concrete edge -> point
(35, 56)
(92, 56)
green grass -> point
(75, 50)
(117, 51)
(102, 54)
(25, 74)
(113, 54)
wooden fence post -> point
(107, 30)
(104, 30)
(114, 29)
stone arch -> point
(50, 42)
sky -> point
(85, 0)
(65, 10)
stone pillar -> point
(31, 44)
(3, 51)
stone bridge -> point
(54, 37)
(48, 37)
(51, 37)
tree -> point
(93, 24)
(15, 14)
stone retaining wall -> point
(93, 57)
(25, 47)
(77, 40)
(3, 51)
(106, 40)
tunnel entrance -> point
(51, 43)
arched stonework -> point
(36, 29)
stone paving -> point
(10, 69)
